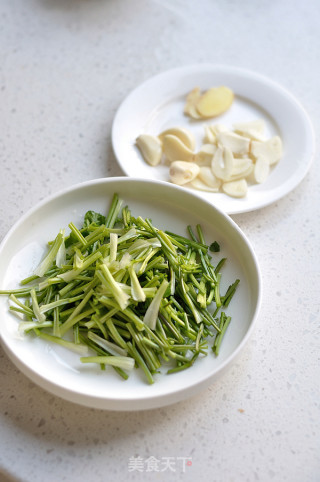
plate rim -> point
(152, 401)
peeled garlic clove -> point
(242, 168)
(222, 163)
(183, 134)
(237, 144)
(217, 128)
(207, 177)
(201, 186)
(182, 172)
(215, 101)
(261, 170)
(205, 155)
(174, 149)
(235, 188)
(150, 148)
(241, 164)
(209, 136)
(244, 174)
(192, 99)
(252, 129)
(271, 150)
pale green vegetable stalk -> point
(51, 256)
(152, 313)
(123, 362)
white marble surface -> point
(65, 66)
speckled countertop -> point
(65, 67)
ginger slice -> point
(190, 105)
(215, 101)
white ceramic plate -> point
(158, 104)
(170, 207)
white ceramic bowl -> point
(169, 207)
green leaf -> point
(92, 217)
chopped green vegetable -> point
(127, 292)
(92, 218)
(214, 247)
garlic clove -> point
(237, 188)
(244, 174)
(183, 134)
(209, 135)
(271, 150)
(222, 163)
(252, 129)
(205, 155)
(237, 144)
(207, 177)
(261, 170)
(182, 172)
(241, 165)
(217, 128)
(174, 149)
(215, 101)
(150, 148)
(201, 186)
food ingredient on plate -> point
(183, 134)
(229, 160)
(123, 293)
(174, 149)
(235, 188)
(211, 103)
(182, 172)
(151, 148)
(271, 150)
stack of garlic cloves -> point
(227, 161)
